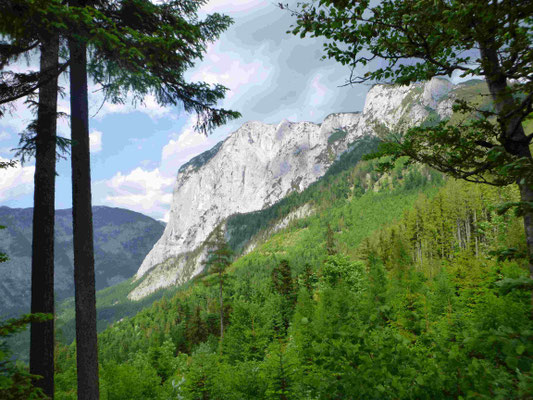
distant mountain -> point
(260, 164)
(122, 238)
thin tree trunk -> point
(514, 138)
(476, 234)
(467, 231)
(42, 259)
(459, 232)
(526, 195)
(84, 280)
(221, 310)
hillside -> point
(389, 291)
(245, 230)
(260, 164)
(122, 240)
(363, 284)
(113, 303)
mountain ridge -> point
(262, 163)
(122, 239)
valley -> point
(359, 284)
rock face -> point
(259, 164)
(122, 239)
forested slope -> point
(392, 288)
(121, 240)
(243, 230)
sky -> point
(136, 150)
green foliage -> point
(339, 134)
(284, 287)
(339, 269)
(15, 380)
(219, 257)
(412, 303)
(461, 217)
(419, 40)
(135, 47)
(437, 35)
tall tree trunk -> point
(526, 195)
(84, 285)
(514, 139)
(42, 258)
(221, 307)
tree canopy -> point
(414, 40)
(417, 40)
(135, 47)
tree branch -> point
(33, 88)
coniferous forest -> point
(400, 286)
(419, 301)
(408, 274)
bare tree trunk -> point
(526, 195)
(459, 240)
(514, 139)
(84, 280)
(476, 234)
(42, 259)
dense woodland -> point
(395, 288)
(405, 284)
(402, 283)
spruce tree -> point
(135, 47)
(218, 259)
(21, 36)
(42, 260)
(84, 278)
(284, 285)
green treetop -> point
(415, 40)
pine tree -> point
(135, 46)
(218, 259)
(196, 328)
(281, 378)
(20, 37)
(330, 241)
(284, 285)
(42, 260)
(84, 277)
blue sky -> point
(137, 150)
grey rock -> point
(259, 164)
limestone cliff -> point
(259, 164)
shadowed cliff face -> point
(259, 164)
(122, 240)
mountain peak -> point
(259, 164)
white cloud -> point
(238, 74)
(15, 182)
(4, 136)
(232, 6)
(100, 109)
(187, 140)
(95, 141)
(144, 191)
(188, 145)
(150, 191)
